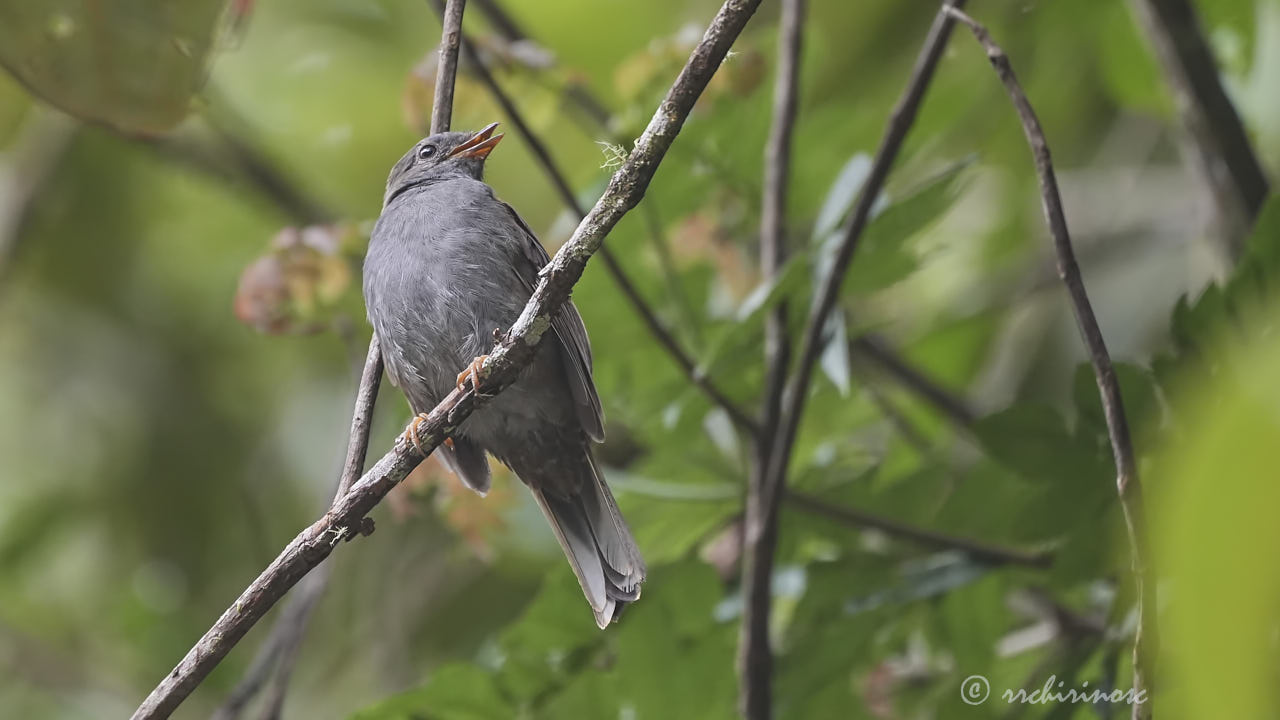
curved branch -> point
(1127, 485)
(874, 349)
(984, 552)
(447, 69)
(347, 516)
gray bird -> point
(449, 266)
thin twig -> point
(760, 521)
(667, 269)
(656, 327)
(900, 121)
(1127, 484)
(508, 357)
(1217, 138)
(912, 434)
(447, 68)
(980, 551)
(576, 92)
(502, 21)
(876, 350)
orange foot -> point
(411, 433)
(472, 371)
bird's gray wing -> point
(570, 332)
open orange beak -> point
(478, 145)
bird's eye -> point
(426, 151)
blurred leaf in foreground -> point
(133, 65)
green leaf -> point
(769, 293)
(884, 256)
(834, 360)
(1201, 327)
(131, 64)
(840, 196)
(1128, 69)
(974, 617)
(455, 692)
(1137, 391)
(1213, 512)
(1033, 440)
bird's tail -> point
(596, 540)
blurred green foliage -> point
(157, 451)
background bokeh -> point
(167, 425)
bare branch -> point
(1217, 139)
(447, 69)
(910, 433)
(760, 521)
(578, 93)
(988, 553)
(656, 327)
(516, 349)
(361, 420)
(900, 121)
(1127, 485)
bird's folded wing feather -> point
(570, 332)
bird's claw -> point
(411, 432)
(472, 371)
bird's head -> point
(440, 157)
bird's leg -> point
(472, 371)
(411, 432)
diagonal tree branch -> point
(984, 552)
(513, 352)
(1127, 485)
(656, 327)
(1217, 139)
(760, 521)
(874, 349)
